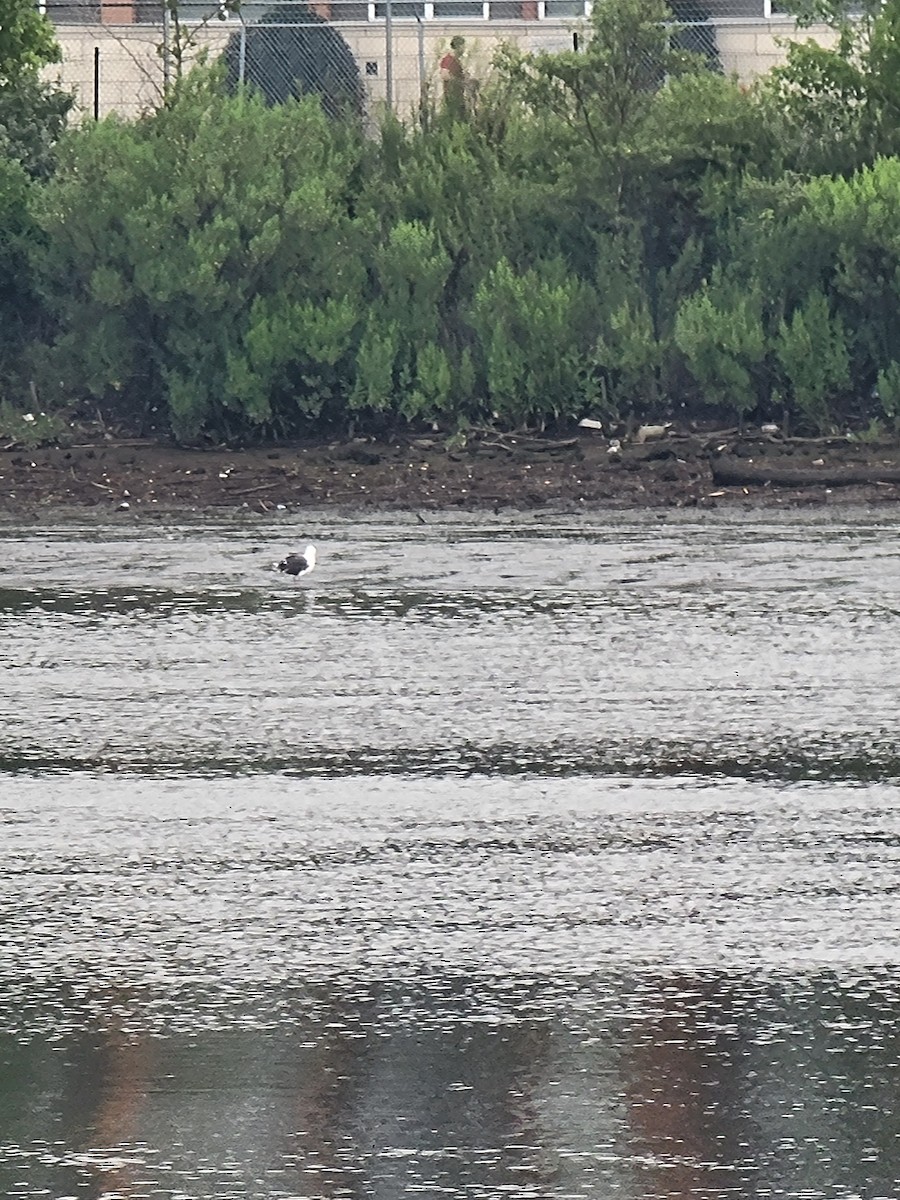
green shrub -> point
(888, 391)
(629, 357)
(27, 429)
(204, 256)
(610, 227)
(27, 41)
(19, 310)
(434, 383)
(812, 351)
(399, 363)
(532, 332)
(724, 345)
(33, 117)
(374, 385)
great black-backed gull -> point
(299, 564)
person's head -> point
(457, 43)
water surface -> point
(509, 856)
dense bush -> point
(32, 116)
(17, 302)
(839, 107)
(291, 51)
(533, 335)
(32, 119)
(806, 303)
(203, 256)
(614, 232)
(27, 41)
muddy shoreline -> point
(675, 470)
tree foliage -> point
(27, 40)
(840, 103)
(32, 118)
(290, 52)
(33, 115)
(618, 232)
(17, 301)
(203, 255)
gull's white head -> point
(310, 555)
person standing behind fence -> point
(453, 77)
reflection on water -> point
(522, 858)
(655, 1086)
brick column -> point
(117, 12)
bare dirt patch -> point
(587, 470)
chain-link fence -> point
(120, 55)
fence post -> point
(389, 55)
(420, 31)
(242, 52)
(166, 24)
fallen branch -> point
(536, 446)
(124, 443)
(731, 472)
(260, 487)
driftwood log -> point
(738, 472)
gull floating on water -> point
(299, 564)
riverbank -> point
(654, 469)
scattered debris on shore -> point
(658, 466)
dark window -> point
(458, 8)
(401, 8)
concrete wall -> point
(129, 67)
(750, 49)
